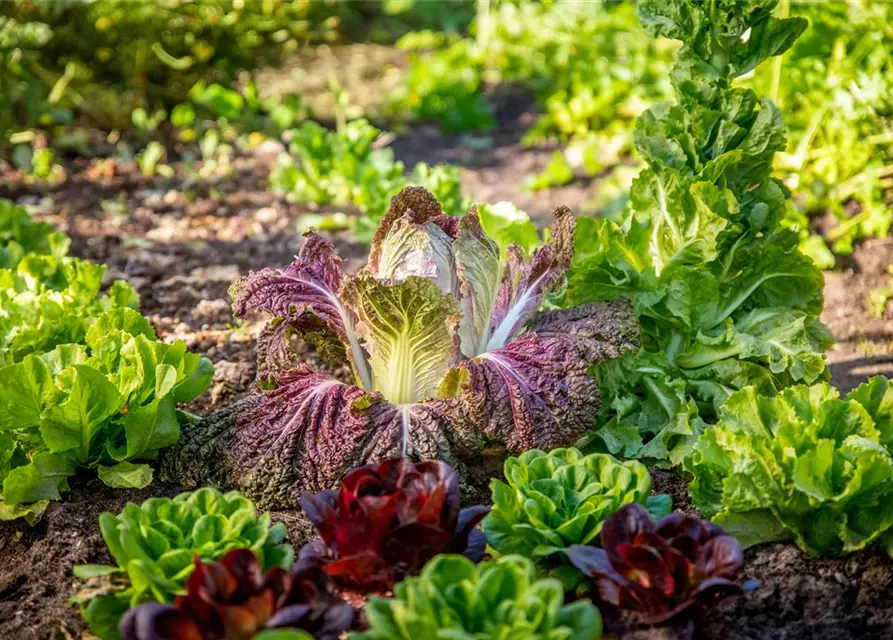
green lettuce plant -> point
(347, 167)
(804, 465)
(46, 301)
(105, 404)
(561, 498)
(724, 296)
(154, 546)
(453, 598)
(20, 235)
(46, 298)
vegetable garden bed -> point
(183, 281)
(483, 347)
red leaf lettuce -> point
(388, 520)
(661, 570)
(233, 599)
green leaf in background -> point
(505, 224)
(220, 101)
(347, 167)
(126, 475)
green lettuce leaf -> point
(493, 600)
(802, 465)
(100, 405)
(47, 301)
(557, 499)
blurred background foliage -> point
(186, 80)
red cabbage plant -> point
(660, 571)
(234, 599)
(448, 353)
(387, 521)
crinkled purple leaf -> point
(302, 434)
(426, 430)
(305, 434)
(536, 392)
(308, 286)
(416, 239)
(526, 281)
(416, 206)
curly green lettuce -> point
(108, 404)
(46, 301)
(805, 465)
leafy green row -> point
(46, 298)
(834, 87)
(98, 61)
(397, 525)
(346, 168)
(20, 235)
(84, 382)
(589, 64)
(48, 301)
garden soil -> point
(182, 243)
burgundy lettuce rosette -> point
(660, 571)
(387, 520)
(233, 600)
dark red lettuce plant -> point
(388, 520)
(234, 600)
(659, 571)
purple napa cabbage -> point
(449, 353)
